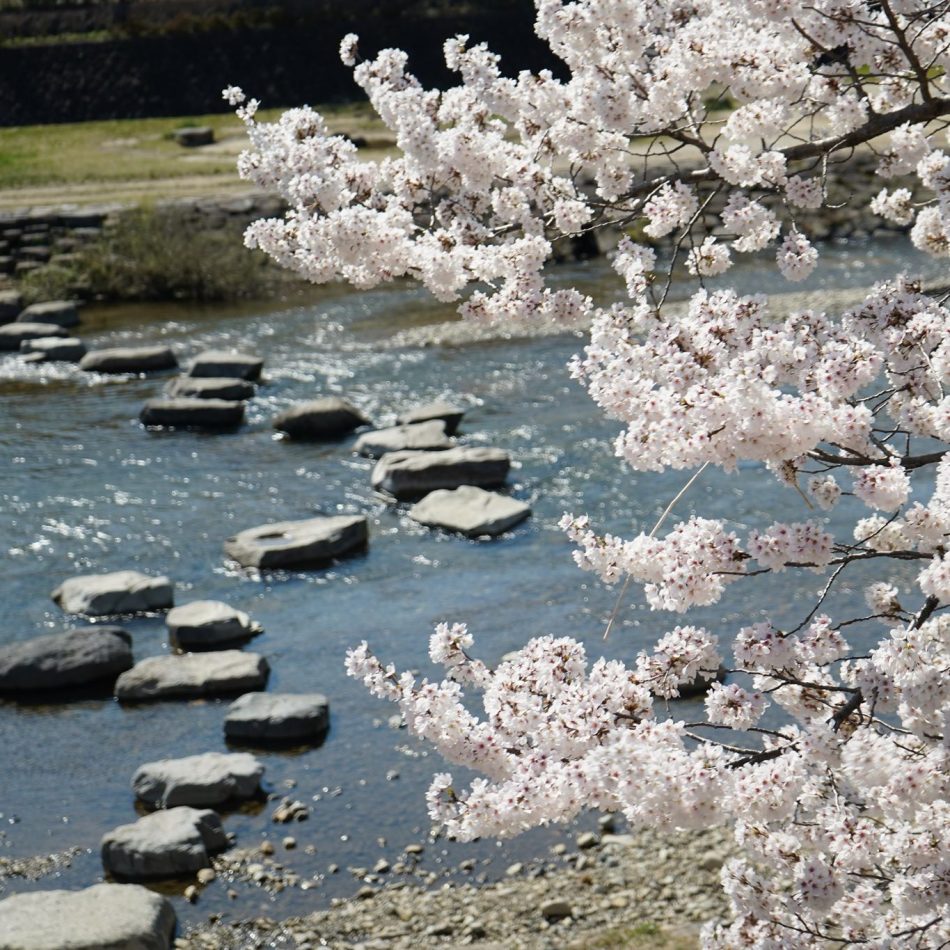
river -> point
(84, 488)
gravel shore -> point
(642, 890)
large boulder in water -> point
(63, 313)
(192, 413)
(12, 335)
(193, 674)
(208, 623)
(210, 387)
(101, 917)
(52, 349)
(83, 655)
(421, 436)
(412, 474)
(469, 510)
(290, 543)
(121, 592)
(327, 418)
(198, 780)
(218, 363)
(439, 409)
(129, 359)
(164, 844)
(277, 717)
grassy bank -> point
(139, 150)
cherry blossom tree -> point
(703, 130)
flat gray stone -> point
(184, 413)
(412, 474)
(82, 655)
(288, 543)
(11, 303)
(166, 843)
(101, 917)
(326, 418)
(129, 359)
(210, 387)
(194, 137)
(469, 510)
(63, 313)
(51, 349)
(198, 780)
(206, 623)
(218, 363)
(121, 592)
(12, 335)
(192, 674)
(439, 409)
(422, 436)
(277, 717)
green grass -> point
(138, 149)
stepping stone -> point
(218, 363)
(326, 418)
(11, 303)
(211, 387)
(52, 349)
(63, 313)
(82, 655)
(469, 510)
(129, 359)
(198, 780)
(12, 335)
(194, 137)
(288, 543)
(411, 474)
(101, 917)
(192, 413)
(122, 592)
(439, 409)
(209, 623)
(193, 674)
(164, 844)
(277, 717)
(421, 436)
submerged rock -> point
(101, 917)
(12, 335)
(164, 844)
(129, 359)
(198, 780)
(51, 349)
(206, 623)
(82, 655)
(192, 413)
(289, 543)
(11, 303)
(63, 313)
(421, 436)
(411, 474)
(121, 592)
(210, 387)
(194, 674)
(469, 510)
(220, 363)
(439, 409)
(326, 418)
(277, 717)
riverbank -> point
(643, 891)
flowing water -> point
(85, 489)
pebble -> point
(290, 842)
(266, 847)
(556, 910)
(382, 866)
(191, 893)
(513, 870)
(414, 849)
(587, 840)
(206, 875)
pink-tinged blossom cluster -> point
(830, 761)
